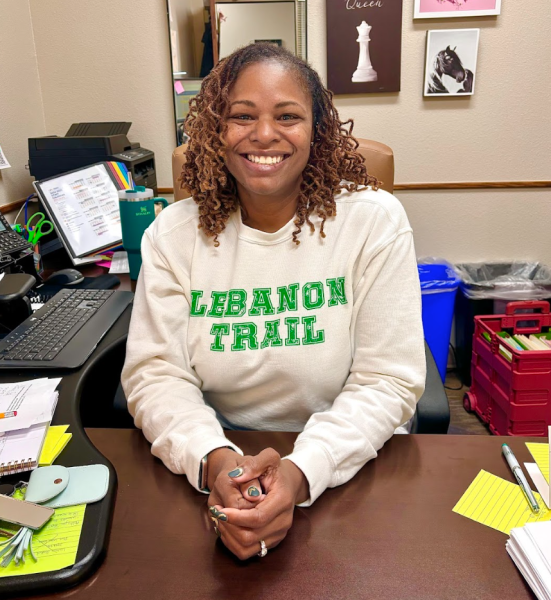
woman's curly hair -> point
(333, 157)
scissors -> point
(41, 228)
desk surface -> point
(389, 533)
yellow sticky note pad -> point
(540, 452)
(499, 504)
(55, 545)
(56, 440)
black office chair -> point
(433, 410)
(104, 402)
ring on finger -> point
(263, 549)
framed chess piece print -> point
(364, 39)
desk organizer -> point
(513, 397)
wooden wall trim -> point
(459, 185)
(471, 185)
(6, 208)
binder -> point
(26, 411)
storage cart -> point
(511, 389)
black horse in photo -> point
(448, 63)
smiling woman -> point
(243, 321)
(262, 101)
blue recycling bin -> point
(439, 283)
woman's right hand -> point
(223, 490)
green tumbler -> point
(137, 208)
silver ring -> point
(263, 549)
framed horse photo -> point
(450, 66)
(443, 9)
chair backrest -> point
(378, 158)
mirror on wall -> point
(202, 32)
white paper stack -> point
(26, 409)
(119, 263)
(530, 549)
(539, 471)
(27, 403)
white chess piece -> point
(365, 71)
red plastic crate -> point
(513, 397)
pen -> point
(519, 476)
(6, 415)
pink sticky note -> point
(178, 86)
(104, 263)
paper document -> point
(56, 440)
(498, 503)
(530, 549)
(4, 164)
(27, 403)
(55, 545)
(87, 260)
(539, 471)
(540, 452)
(119, 263)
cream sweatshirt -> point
(325, 338)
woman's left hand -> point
(284, 485)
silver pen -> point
(519, 476)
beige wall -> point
(502, 132)
(21, 113)
(90, 70)
(105, 60)
(256, 20)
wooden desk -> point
(388, 534)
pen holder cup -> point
(137, 210)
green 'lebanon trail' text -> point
(276, 331)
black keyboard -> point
(64, 332)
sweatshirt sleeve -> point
(163, 391)
(386, 378)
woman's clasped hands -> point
(252, 499)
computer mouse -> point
(65, 277)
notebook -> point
(20, 449)
(26, 410)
